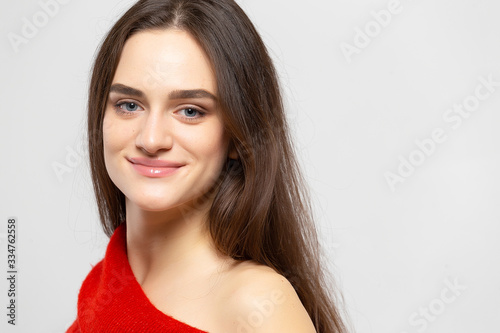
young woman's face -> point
(164, 141)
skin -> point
(169, 249)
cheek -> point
(209, 144)
(114, 141)
(109, 145)
(114, 136)
(108, 136)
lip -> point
(154, 168)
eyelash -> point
(120, 111)
(201, 114)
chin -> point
(163, 203)
(152, 204)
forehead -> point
(162, 60)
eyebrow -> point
(175, 94)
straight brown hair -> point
(260, 208)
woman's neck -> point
(168, 246)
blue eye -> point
(191, 112)
(129, 106)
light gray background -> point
(391, 251)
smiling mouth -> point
(154, 168)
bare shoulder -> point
(260, 300)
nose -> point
(154, 134)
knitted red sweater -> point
(111, 299)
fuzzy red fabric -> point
(111, 300)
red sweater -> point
(111, 299)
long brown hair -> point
(260, 208)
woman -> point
(196, 182)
